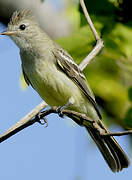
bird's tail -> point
(110, 149)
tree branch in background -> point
(118, 133)
(99, 44)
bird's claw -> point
(61, 108)
(59, 111)
(43, 121)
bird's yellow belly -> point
(56, 88)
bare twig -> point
(23, 123)
(118, 133)
(99, 44)
(91, 55)
(89, 20)
(35, 115)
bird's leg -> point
(61, 108)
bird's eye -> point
(22, 26)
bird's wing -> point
(69, 67)
(26, 78)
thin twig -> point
(23, 123)
(99, 45)
(35, 115)
(91, 55)
(89, 20)
(118, 133)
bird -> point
(53, 73)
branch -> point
(99, 45)
(118, 133)
(89, 20)
(23, 123)
(35, 116)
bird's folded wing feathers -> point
(69, 67)
(26, 78)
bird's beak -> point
(8, 33)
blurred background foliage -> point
(109, 74)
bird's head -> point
(22, 27)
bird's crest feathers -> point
(21, 15)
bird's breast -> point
(55, 87)
(51, 84)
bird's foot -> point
(59, 111)
(61, 108)
(42, 121)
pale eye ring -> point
(22, 27)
